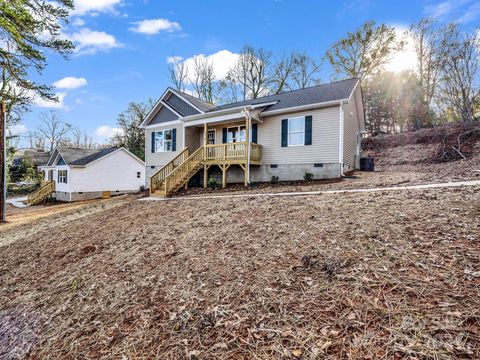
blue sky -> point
(123, 45)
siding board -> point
(163, 115)
(325, 135)
(161, 158)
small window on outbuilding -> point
(62, 176)
(138, 175)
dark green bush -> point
(308, 176)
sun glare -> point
(406, 59)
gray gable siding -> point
(181, 106)
(163, 115)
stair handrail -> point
(157, 179)
(180, 172)
(42, 193)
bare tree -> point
(178, 74)
(459, 88)
(203, 80)
(252, 73)
(88, 141)
(305, 71)
(363, 52)
(431, 46)
(283, 74)
(80, 139)
(36, 141)
(77, 136)
(53, 129)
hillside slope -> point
(431, 152)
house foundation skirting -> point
(78, 196)
(286, 172)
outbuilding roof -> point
(82, 157)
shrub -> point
(274, 179)
(212, 183)
(308, 176)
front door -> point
(50, 175)
(232, 134)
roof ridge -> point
(193, 97)
(288, 92)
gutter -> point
(225, 111)
(304, 107)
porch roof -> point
(227, 115)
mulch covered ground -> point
(372, 275)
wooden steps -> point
(40, 195)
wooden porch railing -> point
(184, 171)
(157, 179)
(232, 151)
(42, 193)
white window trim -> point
(214, 135)
(63, 177)
(295, 132)
(155, 140)
(238, 127)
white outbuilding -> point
(81, 174)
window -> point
(211, 136)
(296, 131)
(62, 176)
(138, 175)
(163, 140)
(236, 134)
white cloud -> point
(90, 42)
(70, 82)
(173, 59)
(154, 26)
(78, 22)
(462, 10)
(37, 101)
(222, 62)
(441, 9)
(472, 14)
(83, 7)
(107, 131)
(17, 130)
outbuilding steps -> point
(40, 195)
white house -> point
(312, 132)
(81, 174)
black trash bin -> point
(367, 164)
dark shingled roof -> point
(334, 91)
(202, 105)
(39, 158)
(82, 157)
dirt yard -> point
(357, 276)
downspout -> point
(249, 124)
(341, 139)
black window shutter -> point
(308, 130)
(153, 142)
(254, 133)
(174, 139)
(224, 136)
(284, 132)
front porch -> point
(214, 142)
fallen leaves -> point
(300, 278)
